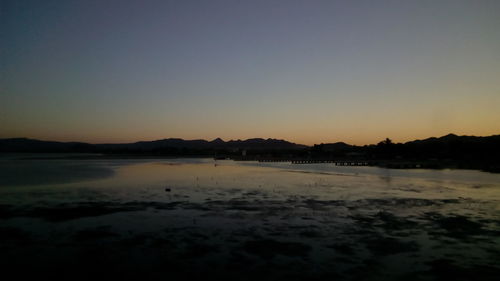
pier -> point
(321, 161)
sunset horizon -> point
(250, 140)
(332, 140)
(107, 71)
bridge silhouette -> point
(319, 161)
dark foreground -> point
(296, 239)
(238, 223)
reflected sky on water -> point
(315, 219)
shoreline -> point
(398, 164)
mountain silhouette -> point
(450, 151)
(32, 145)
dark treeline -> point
(450, 151)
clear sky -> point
(306, 71)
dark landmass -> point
(271, 240)
(450, 151)
(171, 146)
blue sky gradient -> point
(306, 71)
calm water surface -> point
(247, 220)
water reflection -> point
(247, 220)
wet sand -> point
(247, 223)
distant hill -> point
(455, 147)
(338, 146)
(447, 142)
(32, 145)
(171, 144)
(452, 138)
(450, 151)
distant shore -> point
(449, 151)
(435, 164)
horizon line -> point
(202, 139)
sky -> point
(305, 71)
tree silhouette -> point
(386, 142)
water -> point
(246, 220)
